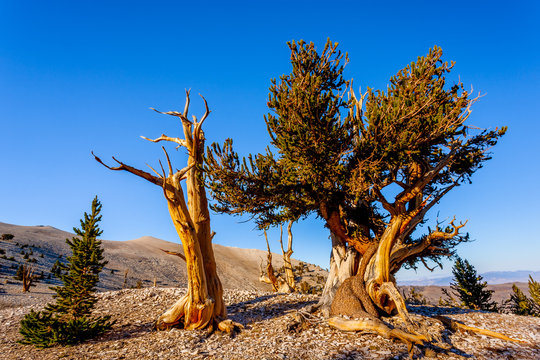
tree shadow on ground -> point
(126, 331)
(256, 310)
(431, 311)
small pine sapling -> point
(69, 320)
(520, 304)
(469, 287)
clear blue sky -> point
(79, 76)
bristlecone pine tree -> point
(521, 304)
(469, 287)
(343, 160)
(69, 319)
(202, 306)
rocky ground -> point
(266, 318)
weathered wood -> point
(456, 325)
(202, 306)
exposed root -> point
(455, 326)
(196, 316)
(377, 326)
(228, 326)
(389, 289)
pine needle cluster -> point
(69, 320)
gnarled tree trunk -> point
(372, 293)
(202, 306)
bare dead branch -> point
(155, 172)
(206, 113)
(163, 137)
(143, 174)
(456, 325)
(180, 255)
(168, 161)
(186, 107)
(172, 113)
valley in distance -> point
(145, 262)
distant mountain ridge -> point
(137, 262)
(491, 277)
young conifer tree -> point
(521, 304)
(69, 320)
(470, 288)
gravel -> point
(267, 318)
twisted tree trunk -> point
(372, 294)
(202, 306)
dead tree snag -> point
(202, 306)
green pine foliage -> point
(520, 304)
(534, 290)
(56, 269)
(469, 287)
(69, 320)
(19, 273)
(334, 154)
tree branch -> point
(143, 174)
(407, 195)
(180, 255)
(404, 252)
(163, 137)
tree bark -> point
(343, 264)
(287, 265)
(278, 284)
(202, 306)
(372, 293)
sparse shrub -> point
(7, 237)
(304, 287)
(68, 321)
(19, 273)
(56, 269)
(41, 255)
(415, 297)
